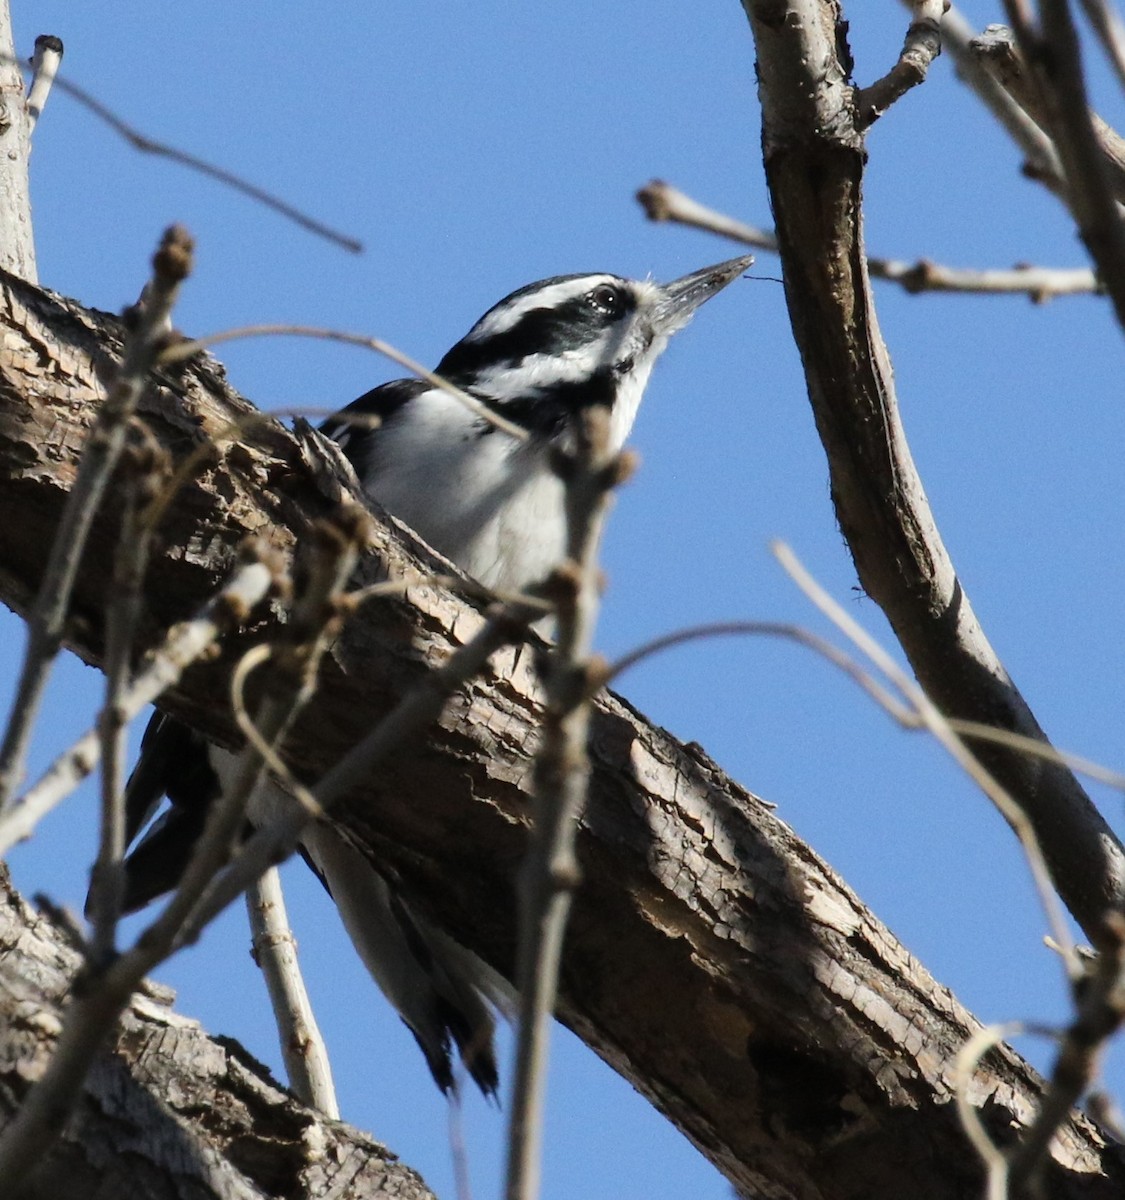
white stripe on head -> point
(508, 313)
(537, 371)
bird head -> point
(556, 346)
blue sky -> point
(475, 148)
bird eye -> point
(607, 300)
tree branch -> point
(662, 202)
(995, 51)
(712, 958)
(17, 248)
(919, 49)
(148, 1111)
(814, 158)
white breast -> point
(489, 503)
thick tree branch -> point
(712, 958)
(166, 1102)
(814, 158)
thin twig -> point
(184, 350)
(262, 744)
(148, 145)
(781, 629)
(1039, 284)
(1111, 33)
(142, 467)
(965, 1066)
(274, 841)
(939, 726)
(44, 66)
(275, 952)
(550, 875)
(921, 46)
(249, 583)
(662, 202)
(1056, 58)
(333, 552)
(904, 714)
(171, 265)
(106, 988)
(996, 52)
(1100, 998)
(1042, 158)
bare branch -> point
(17, 243)
(316, 619)
(143, 469)
(186, 350)
(101, 996)
(1039, 284)
(1056, 59)
(939, 726)
(274, 842)
(1111, 33)
(921, 47)
(968, 1062)
(148, 1115)
(662, 202)
(171, 265)
(550, 875)
(249, 584)
(275, 952)
(147, 145)
(814, 166)
(1100, 996)
(996, 52)
(906, 716)
(44, 66)
(1043, 162)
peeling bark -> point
(168, 1112)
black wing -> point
(173, 761)
(355, 429)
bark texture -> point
(168, 1113)
(814, 159)
(712, 959)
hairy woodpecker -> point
(492, 504)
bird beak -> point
(680, 298)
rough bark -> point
(713, 959)
(168, 1112)
(814, 159)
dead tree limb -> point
(167, 1110)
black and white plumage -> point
(492, 504)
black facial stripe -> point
(546, 412)
(567, 326)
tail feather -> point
(445, 994)
(442, 992)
